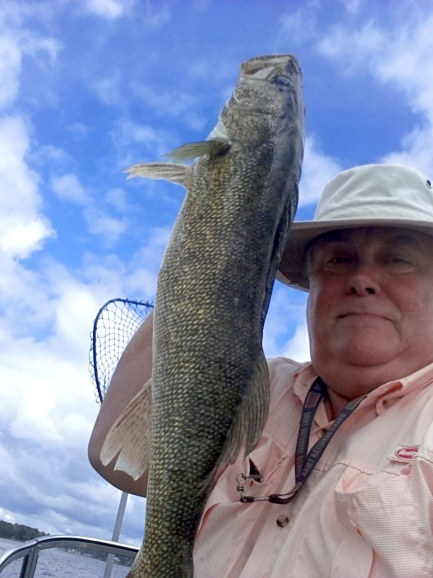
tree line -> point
(19, 532)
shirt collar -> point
(382, 397)
(387, 394)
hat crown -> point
(391, 192)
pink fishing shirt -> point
(365, 511)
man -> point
(363, 503)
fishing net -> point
(114, 325)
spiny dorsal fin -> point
(130, 436)
(175, 172)
(193, 150)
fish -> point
(208, 398)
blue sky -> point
(89, 87)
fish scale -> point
(210, 389)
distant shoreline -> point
(19, 532)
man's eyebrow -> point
(409, 239)
(330, 236)
(400, 237)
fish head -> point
(269, 86)
(266, 108)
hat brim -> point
(292, 269)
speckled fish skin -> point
(214, 286)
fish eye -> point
(281, 81)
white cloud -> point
(352, 6)
(101, 223)
(146, 263)
(68, 188)
(10, 67)
(21, 239)
(398, 55)
(15, 43)
(109, 9)
(366, 43)
(24, 227)
(127, 133)
(48, 406)
(44, 51)
(138, 142)
(42, 393)
(74, 311)
(416, 151)
(298, 346)
(286, 316)
(317, 170)
(117, 198)
(179, 104)
(154, 14)
(108, 90)
(48, 154)
(6, 516)
(300, 25)
(24, 297)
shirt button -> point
(282, 521)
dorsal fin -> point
(175, 172)
(186, 152)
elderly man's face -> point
(370, 307)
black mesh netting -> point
(115, 324)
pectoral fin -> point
(251, 417)
(180, 174)
(129, 438)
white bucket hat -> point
(369, 195)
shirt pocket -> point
(383, 534)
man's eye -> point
(337, 263)
(397, 261)
(399, 264)
(339, 260)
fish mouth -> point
(262, 66)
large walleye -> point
(210, 383)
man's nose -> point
(364, 280)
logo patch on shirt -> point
(403, 454)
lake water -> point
(56, 563)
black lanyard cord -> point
(305, 460)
